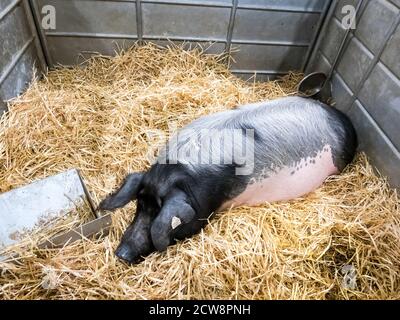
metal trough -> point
(28, 208)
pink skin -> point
(285, 185)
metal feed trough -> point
(26, 209)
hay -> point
(99, 118)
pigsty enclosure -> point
(302, 247)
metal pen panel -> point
(374, 24)
(20, 75)
(19, 56)
(14, 34)
(375, 143)
(94, 25)
(171, 21)
(285, 5)
(75, 50)
(390, 56)
(344, 95)
(86, 27)
(288, 27)
(366, 83)
(354, 63)
(384, 104)
(268, 58)
(94, 17)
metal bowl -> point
(312, 84)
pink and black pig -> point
(269, 151)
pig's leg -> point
(127, 192)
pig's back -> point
(286, 130)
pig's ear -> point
(175, 211)
(127, 192)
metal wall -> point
(274, 36)
(19, 47)
(366, 82)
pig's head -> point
(162, 209)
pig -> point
(292, 145)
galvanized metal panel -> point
(20, 75)
(98, 17)
(354, 63)
(192, 21)
(375, 143)
(5, 3)
(14, 34)
(376, 20)
(271, 26)
(195, 22)
(294, 5)
(383, 104)
(325, 13)
(17, 49)
(74, 50)
(319, 63)
(343, 94)
(374, 83)
(390, 56)
(332, 40)
(268, 58)
(37, 16)
(32, 26)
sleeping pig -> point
(269, 151)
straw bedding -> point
(101, 118)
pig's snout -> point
(135, 243)
(125, 253)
